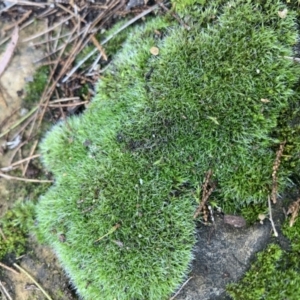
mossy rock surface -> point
(275, 272)
(120, 215)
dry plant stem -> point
(31, 156)
(2, 234)
(35, 282)
(68, 105)
(205, 193)
(23, 179)
(23, 18)
(19, 122)
(270, 217)
(173, 15)
(294, 210)
(29, 3)
(70, 39)
(141, 15)
(184, 284)
(22, 27)
(274, 173)
(70, 12)
(65, 100)
(21, 129)
(100, 48)
(20, 159)
(3, 98)
(47, 13)
(48, 91)
(8, 268)
(51, 40)
(3, 289)
(47, 30)
(15, 152)
(113, 229)
(9, 51)
(8, 7)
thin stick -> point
(50, 40)
(47, 30)
(270, 217)
(174, 15)
(8, 268)
(172, 298)
(205, 193)
(100, 48)
(19, 122)
(113, 229)
(30, 3)
(275, 169)
(35, 282)
(70, 12)
(23, 18)
(2, 287)
(108, 39)
(67, 105)
(31, 156)
(23, 179)
(64, 100)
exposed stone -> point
(222, 255)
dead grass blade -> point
(9, 50)
(32, 279)
(23, 179)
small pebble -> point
(235, 221)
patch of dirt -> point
(41, 263)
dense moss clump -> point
(14, 226)
(275, 273)
(128, 171)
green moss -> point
(15, 225)
(120, 215)
(275, 274)
(35, 88)
(252, 211)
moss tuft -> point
(15, 225)
(275, 273)
(120, 215)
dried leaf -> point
(154, 51)
(282, 13)
(265, 100)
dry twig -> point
(274, 173)
(270, 217)
(23, 179)
(35, 282)
(9, 50)
(8, 268)
(3, 289)
(294, 210)
(206, 192)
(184, 284)
(31, 156)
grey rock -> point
(222, 255)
